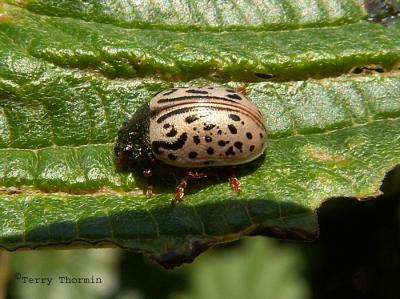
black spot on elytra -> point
(221, 143)
(232, 128)
(219, 132)
(261, 135)
(196, 139)
(194, 128)
(170, 92)
(166, 126)
(252, 148)
(208, 139)
(238, 145)
(234, 117)
(249, 135)
(242, 122)
(191, 118)
(172, 133)
(230, 151)
(197, 91)
(208, 127)
(178, 144)
(234, 96)
(210, 151)
(172, 157)
(192, 155)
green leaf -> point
(257, 269)
(204, 14)
(67, 85)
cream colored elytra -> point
(205, 126)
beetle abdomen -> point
(205, 126)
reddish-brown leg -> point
(149, 175)
(180, 189)
(234, 183)
(242, 89)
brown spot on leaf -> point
(324, 155)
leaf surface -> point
(69, 77)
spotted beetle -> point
(192, 130)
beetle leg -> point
(149, 175)
(234, 183)
(180, 189)
(242, 90)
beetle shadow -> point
(165, 178)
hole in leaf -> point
(367, 69)
(264, 76)
(384, 12)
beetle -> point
(194, 131)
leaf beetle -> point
(192, 130)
